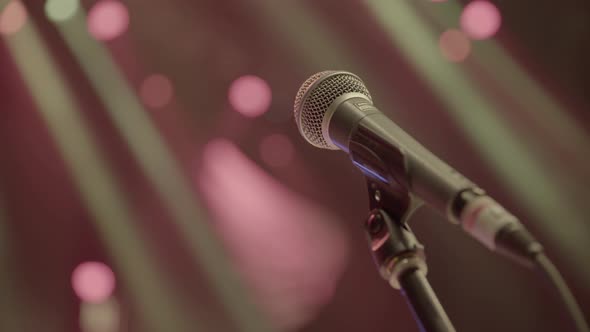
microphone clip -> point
(394, 247)
(399, 256)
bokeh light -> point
(100, 317)
(93, 281)
(156, 91)
(250, 95)
(107, 19)
(454, 45)
(289, 250)
(12, 18)
(61, 10)
(276, 150)
(480, 19)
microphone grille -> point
(314, 98)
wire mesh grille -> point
(310, 112)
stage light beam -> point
(93, 281)
(100, 317)
(480, 20)
(164, 172)
(519, 168)
(250, 96)
(12, 18)
(289, 249)
(107, 20)
(61, 10)
(101, 194)
(454, 45)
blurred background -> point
(152, 177)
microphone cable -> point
(568, 299)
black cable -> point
(565, 293)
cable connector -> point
(499, 230)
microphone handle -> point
(385, 152)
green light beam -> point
(520, 170)
(161, 169)
(100, 193)
(314, 45)
(511, 78)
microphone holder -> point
(398, 254)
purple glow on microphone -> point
(480, 19)
(454, 45)
(276, 150)
(93, 282)
(107, 20)
(288, 249)
(250, 95)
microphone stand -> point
(399, 256)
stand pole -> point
(400, 257)
(427, 310)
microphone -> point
(334, 110)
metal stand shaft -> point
(400, 257)
(428, 311)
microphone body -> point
(386, 153)
(381, 149)
(334, 110)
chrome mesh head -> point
(314, 98)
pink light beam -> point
(93, 282)
(454, 45)
(289, 250)
(480, 20)
(107, 20)
(250, 96)
(12, 18)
